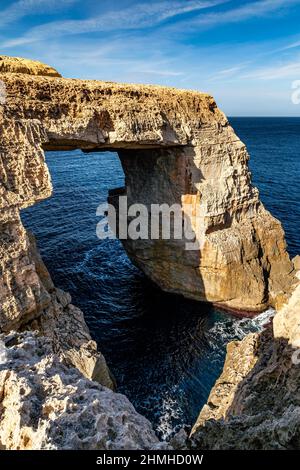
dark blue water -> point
(274, 148)
(165, 352)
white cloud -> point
(247, 11)
(229, 72)
(21, 8)
(290, 70)
(143, 15)
(163, 73)
(291, 46)
(120, 59)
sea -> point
(165, 351)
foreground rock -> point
(255, 404)
(48, 405)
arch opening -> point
(164, 351)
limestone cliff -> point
(46, 398)
(175, 146)
(255, 404)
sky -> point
(245, 53)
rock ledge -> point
(26, 66)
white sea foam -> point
(231, 329)
(223, 330)
(3, 354)
(170, 412)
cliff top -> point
(39, 69)
(26, 66)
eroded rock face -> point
(175, 146)
(242, 255)
(255, 404)
(48, 405)
(30, 300)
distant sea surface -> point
(165, 351)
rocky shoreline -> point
(56, 391)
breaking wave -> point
(221, 333)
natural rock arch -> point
(175, 146)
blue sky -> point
(245, 53)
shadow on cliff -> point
(264, 412)
(166, 177)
